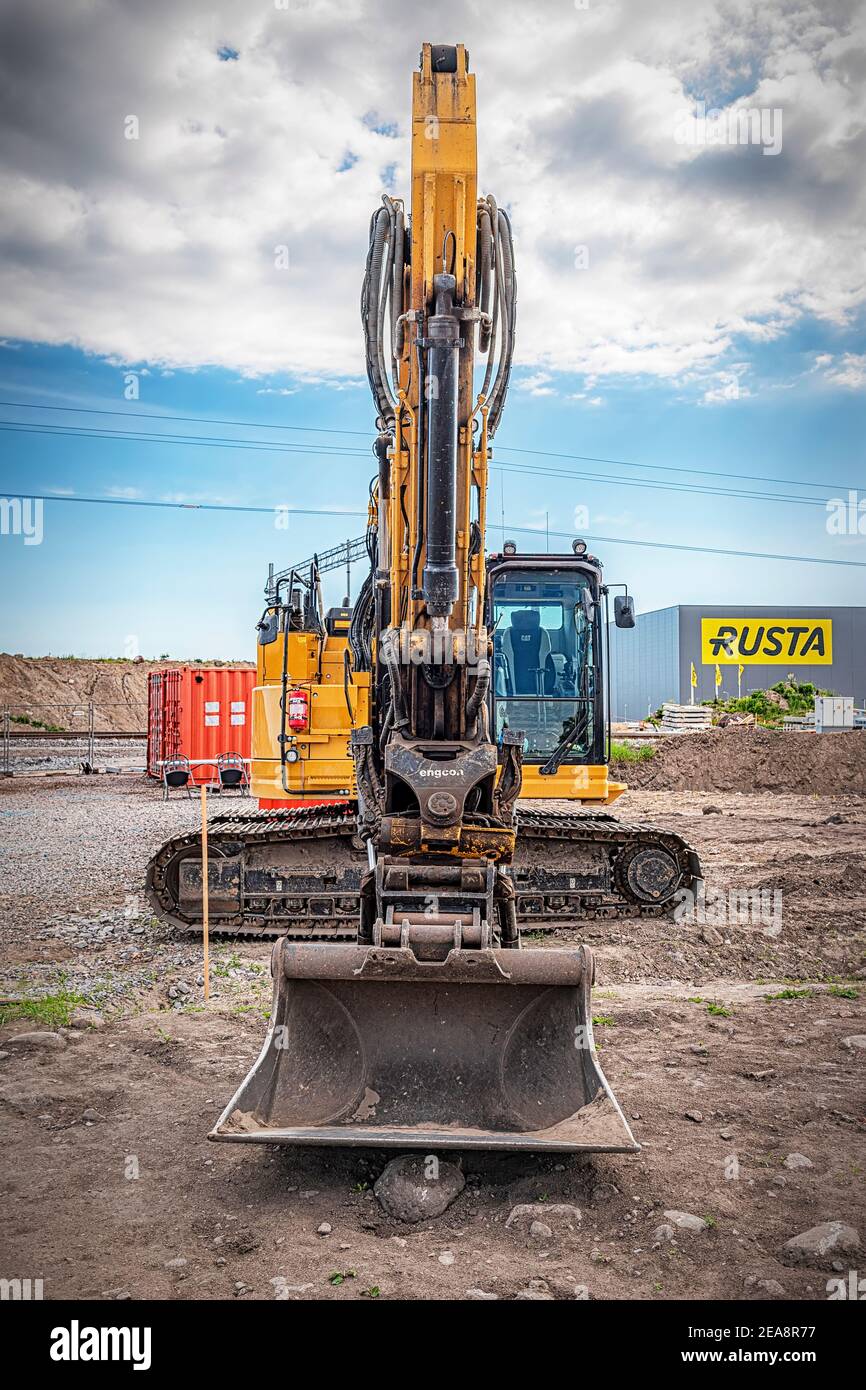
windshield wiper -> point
(564, 746)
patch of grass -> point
(228, 963)
(533, 935)
(339, 1277)
(709, 1221)
(789, 994)
(717, 1010)
(372, 1292)
(603, 1021)
(628, 753)
(844, 992)
(50, 1010)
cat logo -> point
(767, 641)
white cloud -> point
(162, 249)
(124, 492)
(850, 371)
(537, 385)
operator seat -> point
(526, 646)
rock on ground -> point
(406, 1192)
(685, 1221)
(559, 1215)
(819, 1243)
(663, 1235)
(38, 1038)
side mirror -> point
(623, 610)
(268, 629)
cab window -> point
(543, 660)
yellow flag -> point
(694, 676)
(718, 676)
(740, 670)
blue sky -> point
(189, 582)
(714, 324)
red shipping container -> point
(198, 712)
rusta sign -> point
(767, 641)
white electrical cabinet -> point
(833, 712)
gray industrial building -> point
(651, 663)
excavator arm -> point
(433, 1024)
(436, 793)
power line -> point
(185, 419)
(649, 484)
(181, 506)
(701, 549)
(670, 468)
(213, 441)
(527, 530)
(134, 436)
(504, 448)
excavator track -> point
(297, 872)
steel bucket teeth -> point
(488, 1049)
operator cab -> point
(544, 615)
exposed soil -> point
(744, 758)
(684, 1024)
(52, 688)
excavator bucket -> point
(486, 1049)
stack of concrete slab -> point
(685, 719)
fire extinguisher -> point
(299, 711)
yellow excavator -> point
(393, 739)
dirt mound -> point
(56, 690)
(752, 759)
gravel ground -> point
(737, 1056)
(73, 852)
(75, 849)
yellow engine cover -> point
(324, 766)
